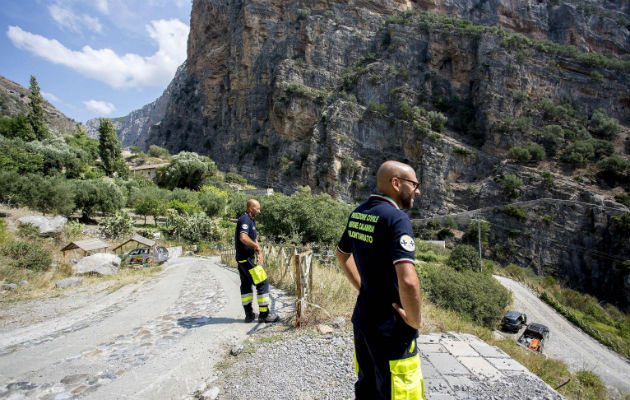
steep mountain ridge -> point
(14, 100)
(319, 93)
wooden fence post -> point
(298, 275)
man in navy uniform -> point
(250, 269)
(377, 255)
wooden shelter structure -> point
(88, 246)
(140, 240)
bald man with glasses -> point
(377, 255)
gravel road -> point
(568, 343)
(155, 339)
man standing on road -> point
(377, 253)
(250, 271)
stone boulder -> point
(69, 282)
(101, 263)
(46, 225)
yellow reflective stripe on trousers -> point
(247, 299)
(407, 380)
(263, 300)
(241, 261)
(356, 363)
(258, 274)
(262, 308)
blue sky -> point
(94, 58)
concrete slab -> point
(426, 348)
(428, 370)
(480, 367)
(430, 338)
(459, 349)
(447, 364)
(485, 350)
(507, 364)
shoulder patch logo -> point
(407, 243)
(244, 226)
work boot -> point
(268, 317)
(250, 317)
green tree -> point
(186, 170)
(93, 195)
(80, 140)
(464, 257)
(109, 149)
(614, 165)
(150, 202)
(18, 126)
(36, 112)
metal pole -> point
(479, 240)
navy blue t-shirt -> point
(379, 236)
(247, 225)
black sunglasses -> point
(416, 185)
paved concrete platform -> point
(462, 366)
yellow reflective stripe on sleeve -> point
(242, 261)
(413, 346)
(258, 274)
(407, 381)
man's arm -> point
(247, 241)
(349, 269)
(409, 290)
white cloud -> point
(102, 6)
(100, 107)
(50, 97)
(68, 19)
(118, 71)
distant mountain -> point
(14, 100)
(133, 129)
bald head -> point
(253, 207)
(401, 190)
(387, 171)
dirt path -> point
(156, 339)
(567, 342)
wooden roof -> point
(136, 238)
(86, 245)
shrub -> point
(578, 154)
(376, 107)
(536, 152)
(184, 208)
(474, 228)
(614, 165)
(158, 152)
(233, 177)
(553, 139)
(623, 198)
(475, 297)
(519, 154)
(515, 272)
(95, 195)
(602, 125)
(602, 147)
(445, 233)
(548, 180)
(511, 185)
(193, 228)
(514, 212)
(464, 257)
(449, 222)
(117, 225)
(28, 255)
(437, 120)
(212, 204)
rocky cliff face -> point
(133, 129)
(14, 100)
(319, 93)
